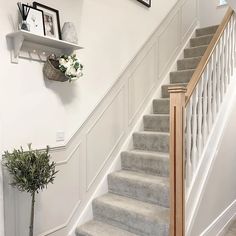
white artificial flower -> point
(79, 74)
(73, 79)
(71, 71)
(62, 61)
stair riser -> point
(195, 42)
(188, 64)
(164, 91)
(148, 192)
(156, 123)
(181, 77)
(129, 221)
(148, 165)
(161, 106)
(194, 52)
(158, 143)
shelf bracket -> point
(17, 45)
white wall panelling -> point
(87, 156)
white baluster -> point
(220, 70)
(205, 125)
(214, 92)
(194, 134)
(189, 142)
(200, 118)
(209, 95)
(228, 53)
(231, 47)
(225, 61)
(218, 90)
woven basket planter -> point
(52, 72)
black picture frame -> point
(147, 3)
(42, 28)
(40, 6)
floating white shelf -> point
(36, 47)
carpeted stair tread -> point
(154, 163)
(182, 76)
(164, 89)
(188, 63)
(201, 40)
(194, 51)
(98, 228)
(132, 215)
(206, 30)
(151, 141)
(161, 106)
(156, 122)
(140, 186)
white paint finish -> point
(219, 188)
(169, 42)
(104, 116)
(218, 226)
(44, 105)
(213, 122)
(104, 136)
(141, 82)
(210, 7)
(147, 107)
(189, 14)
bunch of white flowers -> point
(71, 67)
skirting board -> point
(216, 228)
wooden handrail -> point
(207, 55)
(177, 161)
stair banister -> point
(207, 55)
(193, 111)
(177, 166)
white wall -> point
(210, 12)
(220, 190)
(112, 32)
(34, 109)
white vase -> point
(69, 33)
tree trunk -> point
(31, 228)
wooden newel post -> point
(177, 161)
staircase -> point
(138, 198)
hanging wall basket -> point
(52, 72)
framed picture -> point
(35, 21)
(51, 20)
(147, 3)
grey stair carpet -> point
(138, 198)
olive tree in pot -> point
(31, 171)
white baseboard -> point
(216, 228)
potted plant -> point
(64, 68)
(31, 171)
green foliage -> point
(31, 170)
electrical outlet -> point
(60, 136)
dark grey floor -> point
(231, 229)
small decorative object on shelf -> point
(65, 68)
(69, 33)
(147, 3)
(24, 11)
(31, 172)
